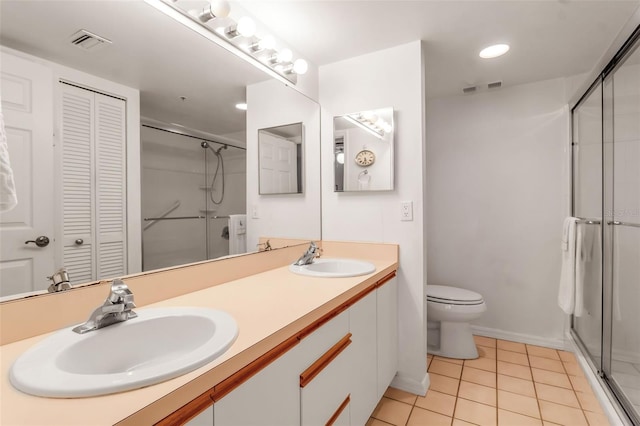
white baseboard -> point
(409, 384)
(521, 338)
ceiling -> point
(165, 61)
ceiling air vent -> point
(494, 85)
(86, 40)
(469, 89)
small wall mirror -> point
(280, 159)
(363, 151)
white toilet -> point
(449, 312)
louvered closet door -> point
(77, 135)
(111, 186)
(94, 184)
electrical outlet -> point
(406, 211)
(254, 212)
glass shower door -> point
(587, 204)
(622, 233)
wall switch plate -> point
(254, 212)
(406, 210)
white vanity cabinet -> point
(387, 332)
(203, 419)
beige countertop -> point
(269, 307)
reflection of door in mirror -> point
(280, 159)
(26, 94)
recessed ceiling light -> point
(242, 106)
(494, 51)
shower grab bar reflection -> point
(588, 221)
(220, 217)
(175, 218)
(615, 222)
(160, 216)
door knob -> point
(79, 241)
(41, 241)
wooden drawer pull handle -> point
(322, 362)
(339, 411)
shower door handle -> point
(41, 241)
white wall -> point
(497, 163)
(387, 78)
(272, 104)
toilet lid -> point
(453, 295)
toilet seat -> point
(452, 295)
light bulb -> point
(246, 27)
(340, 157)
(285, 55)
(300, 66)
(267, 43)
(242, 106)
(215, 9)
(494, 51)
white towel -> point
(566, 292)
(237, 233)
(8, 197)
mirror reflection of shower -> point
(219, 172)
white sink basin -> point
(334, 268)
(158, 345)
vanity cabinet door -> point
(387, 325)
(203, 419)
(364, 378)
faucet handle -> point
(120, 292)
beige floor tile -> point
(486, 352)
(479, 377)
(508, 418)
(520, 404)
(558, 395)
(562, 414)
(443, 384)
(476, 413)
(451, 360)
(429, 361)
(400, 395)
(580, 384)
(551, 378)
(458, 422)
(376, 422)
(420, 417)
(573, 369)
(513, 357)
(485, 341)
(596, 419)
(391, 411)
(514, 370)
(477, 393)
(487, 364)
(429, 356)
(516, 385)
(445, 368)
(546, 364)
(543, 352)
(589, 402)
(567, 357)
(512, 346)
(437, 402)
(546, 423)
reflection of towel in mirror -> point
(566, 292)
(8, 198)
(225, 232)
(237, 233)
(585, 242)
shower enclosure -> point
(606, 196)
(190, 186)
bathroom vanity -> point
(299, 338)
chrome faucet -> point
(116, 308)
(59, 281)
(307, 258)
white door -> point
(278, 165)
(27, 104)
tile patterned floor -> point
(511, 384)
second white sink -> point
(158, 345)
(334, 268)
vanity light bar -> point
(364, 124)
(231, 44)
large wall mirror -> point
(280, 159)
(363, 151)
(193, 142)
